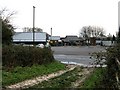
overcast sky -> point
(66, 17)
(119, 14)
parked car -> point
(40, 45)
(47, 45)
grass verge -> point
(94, 79)
(63, 81)
(19, 74)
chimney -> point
(51, 31)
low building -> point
(27, 37)
(72, 40)
(54, 40)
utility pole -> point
(33, 25)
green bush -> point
(13, 56)
(113, 53)
(111, 56)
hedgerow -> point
(17, 55)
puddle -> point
(81, 60)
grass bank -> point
(19, 74)
(94, 79)
(63, 81)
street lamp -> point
(33, 25)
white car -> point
(47, 45)
(40, 46)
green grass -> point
(63, 81)
(94, 79)
(22, 73)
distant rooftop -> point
(71, 37)
(54, 38)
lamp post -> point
(33, 25)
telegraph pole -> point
(33, 25)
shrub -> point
(113, 53)
(13, 56)
(111, 56)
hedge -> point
(17, 55)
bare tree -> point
(92, 31)
(7, 27)
(28, 29)
(6, 15)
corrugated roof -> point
(28, 36)
(54, 38)
(72, 38)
